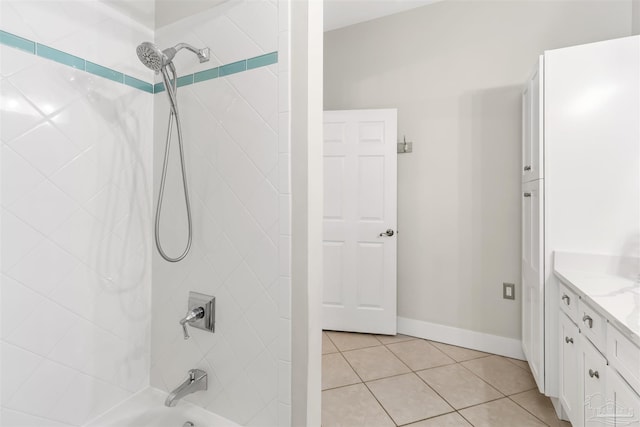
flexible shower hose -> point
(171, 88)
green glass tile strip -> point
(158, 87)
(235, 67)
(205, 75)
(262, 60)
(138, 84)
(105, 72)
(59, 56)
(185, 80)
(17, 42)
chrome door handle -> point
(593, 373)
(588, 320)
(566, 299)
(527, 168)
(387, 233)
(568, 340)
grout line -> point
(455, 410)
(368, 389)
(525, 409)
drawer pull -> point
(566, 299)
(568, 340)
(593, 373)
(588, 320)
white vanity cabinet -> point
(569, 386)
(623, 403)
(593, 372)
(599, 339)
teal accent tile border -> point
(138, 84)
(17, 42)
(105, 72)
(48, 52)
(201, 76)
(60, 56)
(235, 67)
(262, 60)
(185, 80)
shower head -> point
(151, 56)
(154, 58)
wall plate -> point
(208, 303)
(508, 291)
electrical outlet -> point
(508, 291)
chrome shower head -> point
(154, 58)
(151, 56)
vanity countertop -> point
(615, 297)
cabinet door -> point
(533, 279)
(532, 125)
(623, 404)
(569, 358)
(593, 374)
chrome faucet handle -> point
(193, 314)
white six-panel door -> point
(360, 183)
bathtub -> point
(146, 409)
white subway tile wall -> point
(76, 242)
(77, 153)
(235, 158)
(87, 29)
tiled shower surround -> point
(89, 310)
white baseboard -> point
(461, 337)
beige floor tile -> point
(459, 354)
(375, 362)
(419, 354)
(500, 413)
(407, 398)
(521, 363)
(390, 339)
(336, 372)
(539, 405)
(327, 345)
(352, 406)
(501, 374)
(459, 386)
(346, 341)
(449, 420)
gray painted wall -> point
(635, 23)
(455, 70)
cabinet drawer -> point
(624, 356)
(592, 325)
(568, 302)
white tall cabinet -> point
(533, 224)
(580, 183)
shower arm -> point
(203, 54)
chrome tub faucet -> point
(197, 381)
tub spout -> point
(197, 381)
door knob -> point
(388, 233)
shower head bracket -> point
(204, 55)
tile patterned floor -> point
(377, 380)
